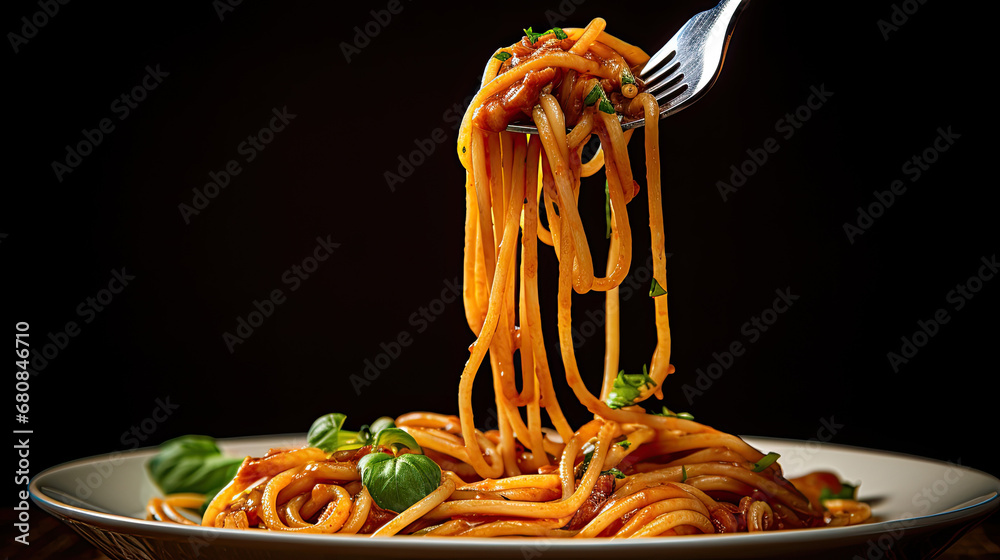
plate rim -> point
(982, 506)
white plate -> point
(919, 507)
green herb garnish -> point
(684, 473)
(614, 471)
(607, 209)
(656, 290)
(502, 56)
(628, 387)
(847, 492)
(670, 414)
(398, 482)
(192, 464)
(533, 37)
(594, 95)
(627, 77)
(606, 106)
(598, 96)
(765, 462)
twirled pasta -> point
(646, 475)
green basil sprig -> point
(192, 464)
(327, 433)
(628, 387)
(396, 482)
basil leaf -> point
(395, 438)
(502, 56)
(656, 290)
(765, 462)
(684, 473)
(625, 444)
(847, 492)
(532, 36)
(367, 433)
(326, 434)
(192, 464)
(396, 483)
(382, 423)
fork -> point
(687, 65)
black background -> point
(825, 359)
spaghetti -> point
(626, 473)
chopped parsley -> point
(614, 471)
(847, 492)
(627, 77)
(767, 461)
(670, 414)
(597, 94)
(533, 37)
(628, 387)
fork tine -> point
(657, 77)
(688, 64)
(674, 97)
(654, 86)
(666, 53)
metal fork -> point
(687, 65)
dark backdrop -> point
(152, 363)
